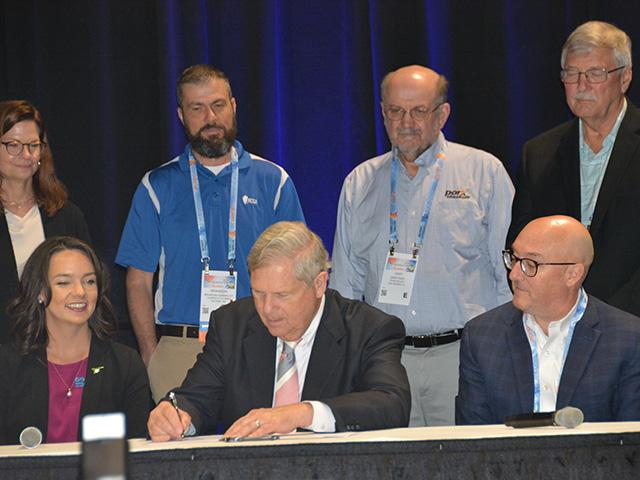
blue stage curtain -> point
(305, 74)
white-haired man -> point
(589, 168)
(293, 355)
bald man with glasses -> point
(554, 345)
(419, 234)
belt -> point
(186, 331)
(426, 341)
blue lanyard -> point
(393, 209)
(233, 210)
(233, 207)
(577, 315)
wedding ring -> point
(258, 423)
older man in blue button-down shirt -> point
(459, 272)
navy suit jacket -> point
(601, 375)
(354, 367)
(548, 183)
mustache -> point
(209, 126)
(412, 131)
(584, 96)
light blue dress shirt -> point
(593, 167)
(460, 272)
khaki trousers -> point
(433, 378)
(170, 362)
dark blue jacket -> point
(601, 375)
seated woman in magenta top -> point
(61, 364)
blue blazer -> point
(601, 375)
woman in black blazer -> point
(33, 200)
(60, 364)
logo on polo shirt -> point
(247, 200)
(461, 194)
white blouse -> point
(26, 234)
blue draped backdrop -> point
(305, 75)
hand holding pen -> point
(174, 402)
(167, 421)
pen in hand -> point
(174, 402)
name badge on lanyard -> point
(217, 287)
(400, 269)
(397, 278)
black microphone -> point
(568, 417)
(30, 437)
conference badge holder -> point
(218, 287)
(397, 278)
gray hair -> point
(442, 88)
(290, 240)
(199, 74)
(597, 34)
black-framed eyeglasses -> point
(528, 266)
(417, 113)
(593, 75)
(15, 148)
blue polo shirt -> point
(161, 231)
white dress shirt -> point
(550, 349)
(323, 418)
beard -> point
(213, 147)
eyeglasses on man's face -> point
(15, 148)
(420, 112)
(593, 75)
(528, 266)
